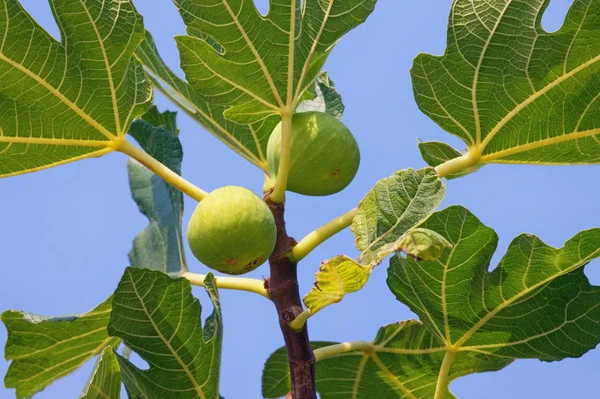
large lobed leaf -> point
(536, 304)
(43, 349)
(160, 245)
(60, 102)
(250, 141)
(513, 92)
(402, 362)
(261, 65)
(159, 319)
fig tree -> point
(232, 231)
(324, 158)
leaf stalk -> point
(230, 283)
(278, 194)
(322, 234)
(161, 170)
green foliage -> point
(325, 155)
(44, 349)
(472, 320)
(394, 206)
(402, 362)
(255, 65)
(250, 141)
(60, 102)
(159, 319)
(160, 245)
(232, 231)
(105, 381)
(513, 92)
(469, 309)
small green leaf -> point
(60, 102)
(421, 244)
(402, 362)
(261, 65)
(511, 91)
(44, 349)
(394, 206)
(160, 245)
(336, 278)
(250, 141)
(158, 318)
(326, 98)
(105, 381)
(436, 153)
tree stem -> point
(284, 292)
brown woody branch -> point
(284, 292)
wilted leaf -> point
(60, 102)
(336, 278)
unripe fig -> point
(232, 231)
(324, 158)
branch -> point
(322, 234)
(278, 194)
(161, 170)
(283, 291)
(230, 283)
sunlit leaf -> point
(160, 245)
(336, 278)
(44, 349)
(394, 206)
(60, 102)
(158, 318)
(402, 362)
(513, 92)
(250, 141)
(105, 381)
(261, 65)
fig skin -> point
(232, 231)
(325, 156)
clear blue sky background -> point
(65, 232)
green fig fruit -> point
(232, 231)
(325, 156)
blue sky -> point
(65, 232)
